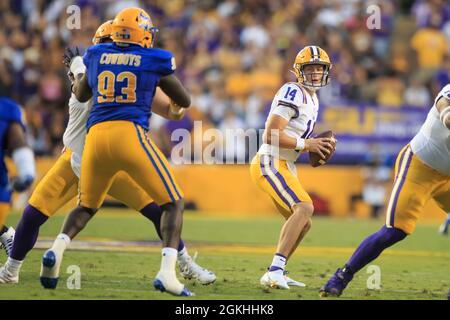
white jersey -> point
(296, 105)
(432, 143)
(75, 133)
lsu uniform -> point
(123, 82)
(273, 169)
(422, 172)
(9, 112)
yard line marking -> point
(109, 245)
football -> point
(314, 158)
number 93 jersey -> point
(123, 81)
(293, 103)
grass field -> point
(238, 250)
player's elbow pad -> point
(182, 99)
(24, 160)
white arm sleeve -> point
(24, 160)
(75, 104)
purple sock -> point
(373, 246)
(153, 212)
(27, 231)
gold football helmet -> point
(133, 25)
(312, 55)
(103, 32)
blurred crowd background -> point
(233, 56)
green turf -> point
(414, 269)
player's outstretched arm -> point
(23, 157)
(443, 107)
(175, 90)
(81, 88)
(274, 134)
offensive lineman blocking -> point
(422, 172)
(121, 77)
(61, 184)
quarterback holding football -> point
(288, 131)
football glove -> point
(69, 55)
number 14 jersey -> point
(295, 104)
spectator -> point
(376, 179)
(417, 95)
(390, 90)
(232, 55)
(431, 45)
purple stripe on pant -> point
(399, 189)
(263, 169)
(283, 182)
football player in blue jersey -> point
(13, 142)
(443, 229)
(60, 183)
(121, 78)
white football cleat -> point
(191, 270)
(50, 265)
(274, 279)
(292, 282)
(6, 276)
(166, 281)
(7, 239)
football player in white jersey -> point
(60, 185)
(288, 128)
(422, 172)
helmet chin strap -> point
(314, 89)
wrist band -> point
(300, 144)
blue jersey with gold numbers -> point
(9, 112)
(123, 81)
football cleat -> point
(443, 229)
(191, 270)
(168, 282)
(292, 282)
(50, 269)
(337, 283)
(7, 239)
(6, 276)
(274, 279)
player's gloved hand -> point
(69, 54)
(20, 184)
